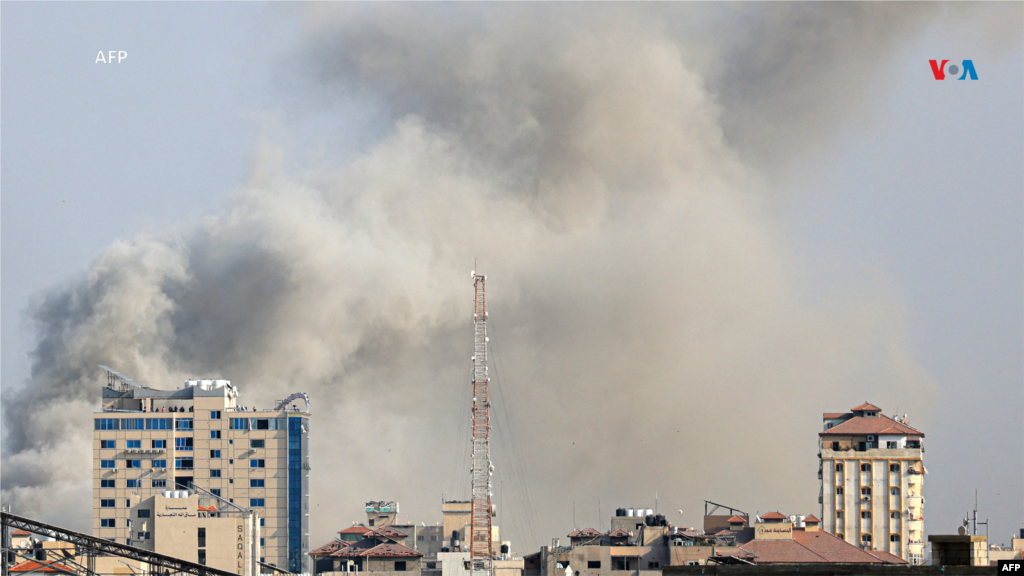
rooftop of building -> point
(807, 546)
(867, 419)
(771, 516)
(585, 533)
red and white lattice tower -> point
(480, 551)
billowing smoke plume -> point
(604, 165)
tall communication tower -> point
(480, 551)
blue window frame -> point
(108, 464)
(239, 423)
(214, 453)
(159, 443)
(158, 423)
(131, 483)
(257, 483)
(108, 444)
(133, 424)
(183, 443)
(108, 483)
(107, 424)
(215, 491)
(160, 483)
(182, 423)
(133, 463)
(296, 494)
(214, 473)
(183, 463)
(257, 463)
(108, 523)
(133, 444)
(215, 415)
(214, 434)
(159, 464)
(256, 502)
(257, 443)
(107, 503)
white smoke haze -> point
(605, 167)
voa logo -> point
(942, 71)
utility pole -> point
(480, 551)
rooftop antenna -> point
(480, 547)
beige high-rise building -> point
(147, 441)
(872, 476)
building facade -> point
(147, 441)
(872, 479)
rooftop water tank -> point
(630, 512)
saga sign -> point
(774, 531)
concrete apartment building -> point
(872, 476)
(148, 441)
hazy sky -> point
(691, 212)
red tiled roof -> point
(832, 415)
(866, 407)
(832, 548)
(21, 532)
(386, 532)
(880, 424)
(585, 533)
(210, 508)
(354, 530)
(735, 519)
(618, 533)
(33, 566)
(772, 516)
(887, 557)
(806, 547)
(391, 550)
(812, 519)
(329, 548)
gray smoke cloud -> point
(604, 164)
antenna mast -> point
(480, 551)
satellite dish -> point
(961, 530)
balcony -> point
(145, 450)
(880, 453)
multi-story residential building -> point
(872, 476)
(147, 441)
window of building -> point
(891, 445)
(160, 483)
(256, 502)
(159, 443)
(835, 445)
(865, 467)
(108, 523)
(105, 483)
(131, 483)
(399, 565)
(431, 565)
(143, 535)
(257, 463)
(214, 453)
(239, 423)
(215, 491)
(215, 473)
(260, 483)
(839, 490)
(107, 503)
(215, 415)
(159, 424)
(215, 434)
(829, 425)
(159, 464)
(202, 557)
(865, 514)
(128, 504)
(865, 537)
(183, 444)
(263, 522)
(433, 538)
(839, 467)
(257, 443)
(108, 464)
(894, 515)
(894, 467)
(894, 538)
(653, 564)
(133, 444)
(231, 460)
(593, 564)
(143, 513)
(201, 532)
(895, 491)
(182, 423)
(183, 463)
(108, 444)
(133, 463)
(262, 424)
(231, 480)
(865, 491)
(107, 424)
(841, 536)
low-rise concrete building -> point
(959, 550)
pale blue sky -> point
(922, 194)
